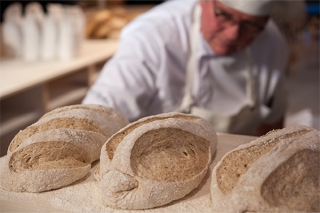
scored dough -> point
(155, 160)
(278, 172)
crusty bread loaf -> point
(278, 172)
(155, 160)
(107, 23)
(96, 19)
(59, 148)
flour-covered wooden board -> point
(84, 195)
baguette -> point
(278, 172)
(59, 148)
(155, 160)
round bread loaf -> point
(59, 148)
(278, 172)
(155, 160)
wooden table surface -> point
(84, 196)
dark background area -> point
(313, 7)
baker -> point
(222, 60)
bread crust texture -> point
(155, 160)
(278, 172)
(59, 148)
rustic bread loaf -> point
(106, 23)
(155, 160)
(278, 172)
(59, 148)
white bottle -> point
(71, 33)
(12, 34)
(50, 32)
(31, 31)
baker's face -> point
(227, 30)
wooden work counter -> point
(84, 196)
(30, 89)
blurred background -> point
(37, 77)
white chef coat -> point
(147, 74)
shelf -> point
(68, 90)
(18, 75)
(20, 121)
(69, 98)
(30, 89)
(20, 110)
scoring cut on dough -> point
(278, 172)
(59, 148)
(155, 160)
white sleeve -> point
(127, 80)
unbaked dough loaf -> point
(59, 148)
(278, 172)
(155, 160)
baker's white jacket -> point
(147, 74)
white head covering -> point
(250, 7)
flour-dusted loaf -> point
(278, 172)
(59, 148)
(155, 160)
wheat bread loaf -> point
(155, 160)
(59, 148)
(278, 172)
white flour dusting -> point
(84, 196)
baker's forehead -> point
(250, 7)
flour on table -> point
(84, 196)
